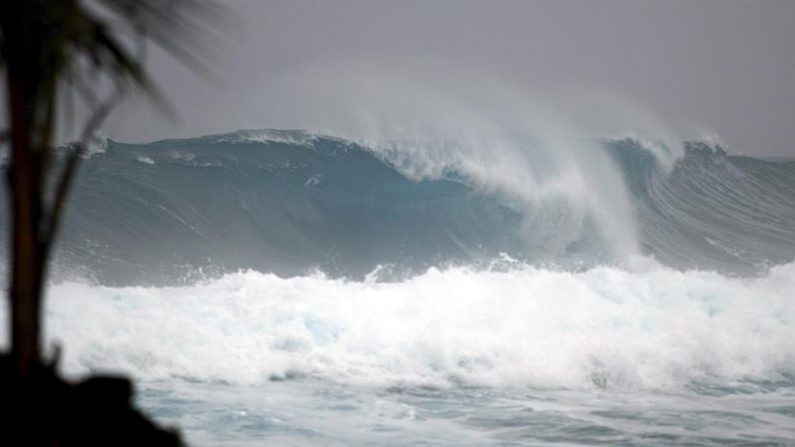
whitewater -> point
(288, 287)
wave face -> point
(291, 202)
(714, 210)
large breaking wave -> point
(291, 202)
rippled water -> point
(305, 412)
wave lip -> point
(266, 136)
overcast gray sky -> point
(724, 67)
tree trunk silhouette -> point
(25, 181)
(47, 45)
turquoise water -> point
(292, 202)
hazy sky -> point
(724, 67)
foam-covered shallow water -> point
(513, 356)
(655, 328)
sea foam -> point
(524, 327)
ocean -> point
(284, 287)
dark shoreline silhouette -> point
(44, 409)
